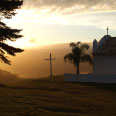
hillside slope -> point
(8, 78)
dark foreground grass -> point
(54, 97)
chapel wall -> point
(104, 65)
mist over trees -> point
(78, 54)
(7, 10)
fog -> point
(32, 64)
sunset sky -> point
(47, 22)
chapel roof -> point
(107, 47)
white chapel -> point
(104, 55)
(104, 63)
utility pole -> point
(51, 59)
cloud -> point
(71, 6)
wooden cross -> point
(107, 30)
(50, 59)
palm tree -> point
(78, 55)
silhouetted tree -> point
(78, 54)
(7, 10)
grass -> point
(54, 97)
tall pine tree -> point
(7, 10)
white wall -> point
(90, 78)
(104, 65)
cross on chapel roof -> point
(107, 45)
(107, 30)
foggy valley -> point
(31, 63)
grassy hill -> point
(54, 97)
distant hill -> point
(31, 63)
(8, 78)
